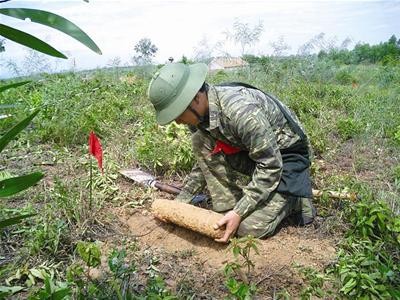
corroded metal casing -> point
(188, 216)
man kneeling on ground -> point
(238, 129)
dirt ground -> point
(189, 260)
(192, 264)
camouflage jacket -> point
(248, 119)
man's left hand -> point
(231, 221)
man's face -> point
(188, 118)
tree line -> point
(386, 53)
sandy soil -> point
(186, 252)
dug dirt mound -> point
(290, 246)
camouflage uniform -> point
(251, 120)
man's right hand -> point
(231, 221)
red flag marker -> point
(95, 149)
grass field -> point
(350, 112)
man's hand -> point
(231, 221)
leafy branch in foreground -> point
(14, 185)
(48, 19)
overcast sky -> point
(177, 27)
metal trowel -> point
(147, 179)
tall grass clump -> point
(73, 104)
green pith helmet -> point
(173, 88)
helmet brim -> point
(196, 78)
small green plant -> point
(396, 177)
(156, 289)
(376, 222)
(220, 76)
(121, 272)
(396, 135)
(368, 264)
(348, 128)
(241, 249)
(46, 235)
(52, 291)
(31, 278)
(89, 252)
(164, 148)
(344, 77)
(315, 283)
(79, 276)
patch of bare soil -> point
(187, 255)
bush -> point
(348, 128)
(344, 77)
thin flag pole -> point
(90, 183)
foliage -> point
(396, 135)
(315, 283)
(120, 282)
(368, 263)
(46, 237)
(145, 50)
(52, 291)
(94, 102)
(164, 148)
(14, 185)
(241, 249)
(344, 77)
(89, 252)
(322, 92)
(387, 53)
(185, 60)
(244, 35)
(48, 19)
(348, 127)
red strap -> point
(225, 148)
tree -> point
(114, 62)
(316, 44)
(145, 50)
(280, 46)
(392, 40)
(203, 51)
(244, 35)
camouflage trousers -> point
(225, 186)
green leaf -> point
(48, 285)
(349, 286)
(14, 185)
(61, 294)
(5, 106)
(39, 273)
(14, 220)
(11, 289)
(6, 291)
(28, 40)
(9, 135)
(12, 85)
(89, 252)
(52, 20)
